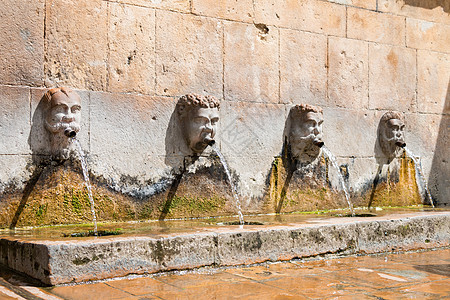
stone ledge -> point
(76, 260)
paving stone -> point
(375, 27)
(189, 57)
(430, 10)
(308, 15)
(251, 63)
(15, 120)
(131, 49)
(433, 89)
(22, 42)
(303, 67)
(348, 73)
(76, 47)
(427, 35)
(392, 77)
(238, 10)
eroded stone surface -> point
(427, 35)
(176, 5)
(369, 4)
(431, 10)
(239, 10)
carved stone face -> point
(305, 136)
(62, 119)
(392, 136)
(200, 127)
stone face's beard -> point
(61, 126)
(304, 147)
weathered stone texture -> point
(433, 89)
(375, 27)
(392, 77)
(303, 67)
(239, 10)
(369, 4)
(175, 5)
(308, 15)
(128, 134)
(76, 43)
(350, 132)
(439, 184)
(251, 63)
(14, 172)
(427, 35)
(431, 10)
(189, 56)
(131, 49)
(14, 120)
(22, 42)
(421, 133)
(348, 73)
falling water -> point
(233, 187)
(87, 182)
(331, 157)
(421, 177)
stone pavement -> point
(412, 275)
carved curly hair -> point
(189, 101)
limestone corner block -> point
(238, 10)
(303, 67)
(189, 56)
(128, 133)
(76, 45)
(348, 73)
(251, 63)
(308, 15)
(131, 49)
(430, 10)
(433, 89)
(175, 5)
(427, 35)
(14, 120)
(375, 27)
(392, 77)
(22, 42)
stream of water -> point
(420, 176)
(333, 161)
(87, 182)
(233, 187)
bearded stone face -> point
(305, 136)
(200, 127)
(392, 136)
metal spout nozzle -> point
(318, 143)
(400, 144)
(70, 133)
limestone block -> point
(131, 49)
(251, 63)
(189, 56)
(361, 173)
(421, 133)
(14, 171)
(375, 27)
(433, 89)
(303, 67)
(22, 42)
(427, 35)
(369, 4)
(350, 132)
(238, 10)
(39, 139)
(76, 45)
(308, 15)
(129, 134)
(392, 77)
(175, 5)
(14, 120)
(348, 73)
(430, 10)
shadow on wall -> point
(429, 4)
(439, 179)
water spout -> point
(318, 143)
(210, 141)
(400, 144)
(70, 133)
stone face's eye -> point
(76, 108)
(214, 121)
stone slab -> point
(76, 47)
(375, 27)
(76, 260)
(189, 57)
(22, 42)
(303, 67)
(131, 36)
(348, 73)
(251, 64)
(427, 35)
(241, 10)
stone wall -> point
(130, 60)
